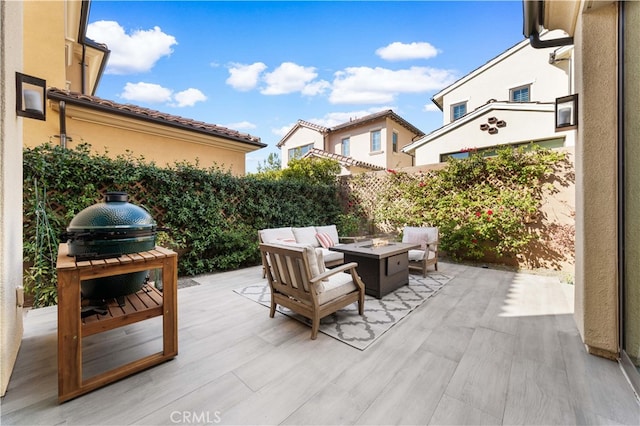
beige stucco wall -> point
(596, 294)
(11, 327)
(118, 136)
(301, 137)
(44, 56)
(360, 143)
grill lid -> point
(111, 229)
(112, 219)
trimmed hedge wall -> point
(213, 216)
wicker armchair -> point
(299, 281)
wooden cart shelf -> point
(147, 303)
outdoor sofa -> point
(321, 237)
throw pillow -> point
(325, 240)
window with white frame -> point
(345, 147)
(376, 141)
(394, 141)
(520, 94)
(491, 151)
(458, 110)
(299, 151)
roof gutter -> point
(533, 25)
(88, 43)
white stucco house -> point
(372, 142)
(509, 100)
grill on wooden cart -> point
(109, 229)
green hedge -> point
(212, 215)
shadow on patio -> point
(491, 347)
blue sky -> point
(258, 67)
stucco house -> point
(509, 100)
(372, 142)
(57, 51)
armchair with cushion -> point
(299, 281)
(428, 238)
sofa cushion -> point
(331, 230)
(277, 235)
(306, 235)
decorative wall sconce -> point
(30, 96)
(492, 130)
(567, 113)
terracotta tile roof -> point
(314, 126)
(302, 123)
(386, 113)
(352, 123)
(343, 160)
(147, 114)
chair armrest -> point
(333, 271)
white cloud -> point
(151, 93)
(316, 88)
(361, 85)
(398, 51)
(240, 125)
(289, 78)
(431, 107)
(131, 53)
(282, 130)
(188, 97)
(245, 77)
(146, 92)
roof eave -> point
(57, 96)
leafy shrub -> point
(481, 205)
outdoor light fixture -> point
(567, 113)
(30, 96)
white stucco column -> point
(11, 189)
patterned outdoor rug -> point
(379, 314)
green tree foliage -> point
(322, 171)
(271, 164)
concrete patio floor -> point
(492, 347)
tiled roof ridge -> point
(157, 116)
(315, 126)
(384, 113)
(349, 161)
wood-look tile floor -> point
(492, 347)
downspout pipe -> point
(536, 43)
(533, 25)
(63, 124)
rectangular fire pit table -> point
(382, 268)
